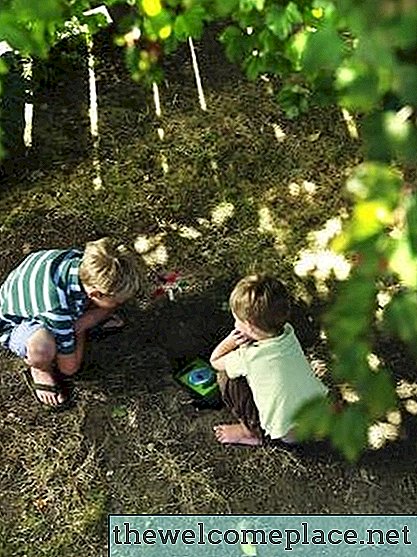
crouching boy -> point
(50, 301)
(264, 375)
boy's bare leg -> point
(236, 434)
(41, 351)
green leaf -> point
(249, 5)
(32, 10)
(359, 86)
(190, 23)
(292, 99)
(18, 36)
(237, 43)
(280, 20)
(400, 317)
(224, 8)
(378, 393)
(349, 431)
(323, 50)
(411, 207)
(314, 419)
(376, 181)
(405, 82)
(119, 412)
(254, 67)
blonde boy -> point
(265, 376)
(50, 301)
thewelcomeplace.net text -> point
(287, 538)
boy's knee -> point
(41, 349)
(68, 367)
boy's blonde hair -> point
(113, 270)
(262, 301)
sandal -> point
(57, 389)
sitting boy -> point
(50, 301)
(267, 377)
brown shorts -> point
(237, 396)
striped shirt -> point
(46, 288)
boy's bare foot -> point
(236, 434)
(52, 397)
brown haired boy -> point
(267, 377)
(52, 298)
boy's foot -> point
(236, 434)
(45, 387)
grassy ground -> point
(224, 193)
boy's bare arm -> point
(68, 364)
(231, 342)
(91, 318)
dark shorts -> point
(237, 395)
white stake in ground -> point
(93, 112)
(160, 131)
(201, 97)
(27, 76)
(93, 106)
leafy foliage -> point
(361, 55)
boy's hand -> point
(239, 337)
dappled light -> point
(152, 249)
(222, 212)
(411, 406)
(322, 265)
(305, 187)
(348, 393)
(208, 185)
(279, 133)
(269, 225)
(373, 361)
(318, 260)
(405, 389)
(382, 432)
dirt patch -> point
(218, 197)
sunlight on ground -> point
(373, 361)
(383, 431)
(348, 393)
(383, 298)
(411, 406)
(152, 249)
(188, 232)
(279, 133)
(222, 213)
(406, 390)
(380, 433)
(318, 260)
(306, 187)
(268, 225)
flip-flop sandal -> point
(56, 389)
